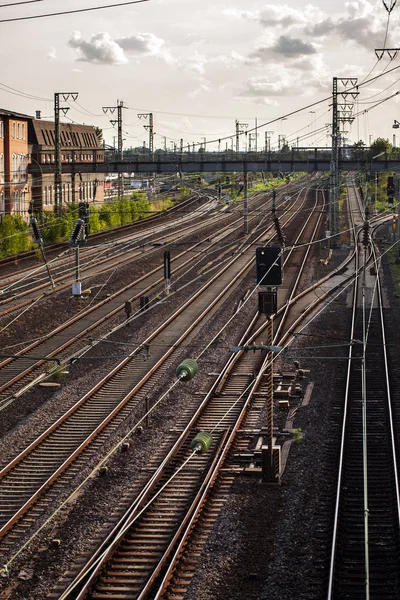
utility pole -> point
(268, 140)
(240, 128)
(340, 114)
(150, 129)
(245, 209)
(118, 121)
(253, 137)
(57, 146)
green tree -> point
(14, 235)
(380, 145)
(359, 144)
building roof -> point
(11, 113)
(72, 135)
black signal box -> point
(269, 266)
(390, 186)
(268, 303)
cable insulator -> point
(76, 232)
(202, 442)
(279, 233)
(187, 369)
(36, 231)
(366, 237)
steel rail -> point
(232, 280)
(55, 352)
(183, 436)
(345, 428)
(115, 230)
(137, 248)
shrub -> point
(14, 236)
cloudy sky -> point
(199, 65)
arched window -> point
(45, 196)
(18, 130)
(23, 202)
(13, 130)
(2, 203)
(15, 167)
(1, 128)
(22, 166)
(1, 168)
(16, 201)
(23, 131)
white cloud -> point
(52, 53)
(200, 89)
(101, 49)
(281, 80)
(286, 46)
(142, 43)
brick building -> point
(15, 191)
(26, 145)
(79, 145)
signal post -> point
(269, 274)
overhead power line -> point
(20, 93)
(17, 3)
(70, 12)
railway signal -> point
(37, 234)
(78, 235)
(269, 266)
(83, 213)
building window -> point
(23, 130)
(14, 167)
(23, 202)
(1, 168)
(22, 168)
(13, 130)
(18, 130)
(1, 129)
(2, 203)
(45, 196)
(16, 201)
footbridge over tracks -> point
(297, 159)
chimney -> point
(38, 114)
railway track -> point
(123, 395)
(19, 372)
(110, 401)
(12, 261)
(23, 288)
(155, 529)
(365, 554)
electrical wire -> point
(18, 3)
(70, 12)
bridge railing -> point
(294, 154)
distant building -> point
(15, 191)
(79, 145)
(27, 144)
